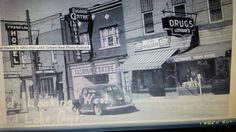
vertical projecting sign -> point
(76, 15)
(13, 40)
(178, 26)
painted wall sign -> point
(152, 44)
(178, 26)
(98, 69)
(195, 57)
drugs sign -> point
(178, 26)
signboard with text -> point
(13, 40)
(77, 14)
(16, 27)
(178, 26)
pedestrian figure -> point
(199, 78)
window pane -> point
(110, 41)
(215, 10)
(109, 36)
(180, 10)
(146, 5)
(148, 23)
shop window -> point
(101, 79)
(215, 10)
(84, 40)
(179, 10)
(46, 87)
(142, 81)
(109, 37)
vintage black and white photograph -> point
(148, 61)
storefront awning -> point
(147, 60)
(203, 52)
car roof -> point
(99, 86)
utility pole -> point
(33, 64)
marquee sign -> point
(178, 26)
(16, 27)
(80, 14)
(77, 14)
(13, 40)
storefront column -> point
(123, 85)
(129, 83)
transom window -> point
(215, 10)
(109, 37)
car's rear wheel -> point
(97, 110)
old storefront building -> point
(49, 69)
(99, 65)
(160, 63)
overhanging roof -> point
(203, 52)
(147, 60)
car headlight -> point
(102, 100)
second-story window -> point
(84, 40)
(147, 11)
(109, 37)
(215, 10)
(179, 10)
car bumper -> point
(119, 107)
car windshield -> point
(113, 90)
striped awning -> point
(147, 60)
(203, 52)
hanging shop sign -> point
(13, 40)
(178, 26)
(76, 15)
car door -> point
(87, 97)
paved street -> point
(149, 109)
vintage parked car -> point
(101, 98)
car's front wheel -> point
(97, 110)
(76, 110)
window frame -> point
(179, 5)
(115, 29)
(88, 40)
(209, 13)
(144, 31)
